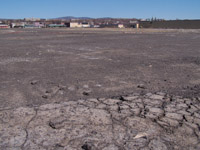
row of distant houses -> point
(36, 24)
(99, 23)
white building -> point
(120, 26)
(18, 25)
(79, 25)
(75, 25)
(85, 25)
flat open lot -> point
(96, 89)
(101, 63)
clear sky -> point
(167, 9)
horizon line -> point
(75, 17)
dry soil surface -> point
(99, 89)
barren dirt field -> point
(99, 89)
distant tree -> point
(148, 19)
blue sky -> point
(167, 9)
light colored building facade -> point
(137, 25)
(75, 25)
(85, 25)
(18, 25)
(120, 26)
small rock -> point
(86, 93)
(121, 98)
(59, 145)
(48, 91)
(52, 125)
(141, 86)
(44, 96)
(34, 82)
(86, 147)
(61, 87)
(140, 135)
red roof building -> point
(4, 26)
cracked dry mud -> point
(132, 122)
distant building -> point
(4, 26)
(56, 25)
(134, 24)
(96, 26)
(137, 25)
(30, 26)
(80, 25)
(108, 25)
(32, 19)
(67, 24)
(120, 26)
(85, 25)
(18, 25)
(34, 25)
(75, 25)
(39, 25)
